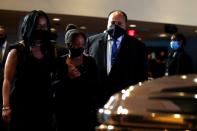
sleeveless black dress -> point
(31, 94)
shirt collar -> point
(119, 38)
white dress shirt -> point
(109, 49)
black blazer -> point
(178, 62)
(129, 67)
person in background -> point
(77, 75)
(161, 63)
(60, 48)
(152, 65)
(27, 76)
(178, 61)
(4, 45)
(121, 59)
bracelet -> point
(5, 108)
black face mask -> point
(76, 52)
(43, 36)
(115, 31)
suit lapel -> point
(103, 50)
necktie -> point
(114, 52)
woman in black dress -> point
(78, 76)
(27, 104)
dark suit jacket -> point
(129, 68)
(178, 62)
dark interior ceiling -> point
(145, 30)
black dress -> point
(76, 98)
(31, 94)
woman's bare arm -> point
(9, 72)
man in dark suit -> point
(129, 66)
(3, 45)
(178, 62)
(3, 55)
